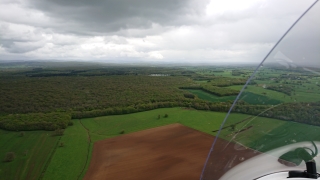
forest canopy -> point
(48, 98)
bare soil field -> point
(168, 152)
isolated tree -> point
(122, 131)
(22, 134)
(166, 115)
(58, 132)
(61, 144)
(25, 152)
(9, 157)
(233, 127)
(188, 95)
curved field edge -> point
(69, 160)
(66, 161)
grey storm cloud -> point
(150, 30)
(21, 47)
(302, 43)
(89, 17)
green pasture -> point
(266, 134)
(69, 161)
(270, 93)
(226, 73)
(271, 134)
(301, 95)
(72, 159)
(32, 152)
(110, 126)
(247, 96)
(306, 97)
(306, 92)
(100, 128)
(288, 133)
(265, 92)
(259, 125)
(253, 98)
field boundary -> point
(88, 150)
(163, 152)
(234, 123)
(49, 159)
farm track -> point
(33, 165)
(89, 142)
(49, 160)
(234, 123)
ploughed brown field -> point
(168, 152)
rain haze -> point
(177, 31)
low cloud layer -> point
(163, 31)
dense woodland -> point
(80, 93)
(35, 121)
(43, 98)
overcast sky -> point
(145, 30)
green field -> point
(287, 133)
(69, 161)
(301, 94)
(32, 151)
(253, 98)
(269, 93)
(110, 126)
(72, 160)
(247, 96)
(266, 134)
(66, 161)
(305, 88)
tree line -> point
(281, 88)
(225, 81)
(218, 91)
(308, 113)
(48, 103)
(35, 121)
